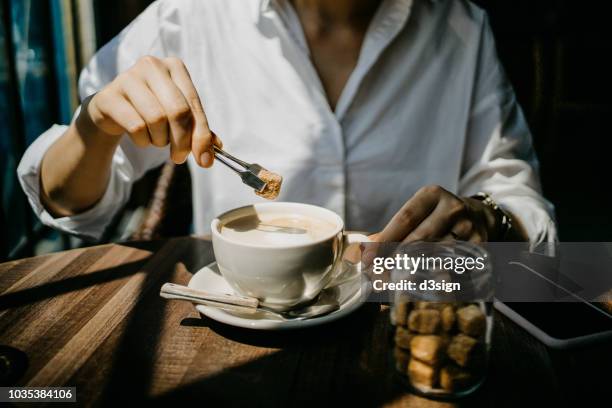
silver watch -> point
(504, 219)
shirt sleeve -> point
(499, 158)
(148, 34)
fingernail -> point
(205, 159)
(216, 139)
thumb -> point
(201, 143)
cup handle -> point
(354, 238)
(343, 269)
(350, 239)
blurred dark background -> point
(556, 54)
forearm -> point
(76, 169)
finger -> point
(463, 229)
(369, 249)
(448, 238)
(202, 139)
(410, 215)
(176, 108)
(115, 115)
(475, 238)
(368, 253)
(449, 211)
(217, 140)
(146, 104)
(434, 227)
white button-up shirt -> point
(427, 103)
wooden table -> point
(92, 318)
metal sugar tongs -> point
(250, 174)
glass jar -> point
(441, 332)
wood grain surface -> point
(92, 318)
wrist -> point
(494, 229)
(90, 133)
(484, 217)
(498, 222)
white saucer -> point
(349, 295)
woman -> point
(393, 113)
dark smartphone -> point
(564, 320)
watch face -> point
(504, 220)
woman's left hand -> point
(434, 214)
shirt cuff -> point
(535, 219)
(89, 224)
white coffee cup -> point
(282, 275)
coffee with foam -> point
(277, 229)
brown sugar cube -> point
(471, 320)
(424, 321)
(439, 306)
(453, 378)
(401, 310)
(403, 337)
(448, 318)
(273, 184)
(464, 350)
(422, 374)
(428, 348)
(402, 357)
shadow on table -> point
(304, 372)
(135, 356)
(342, 330)
(61, 286)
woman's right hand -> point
(154, 103)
